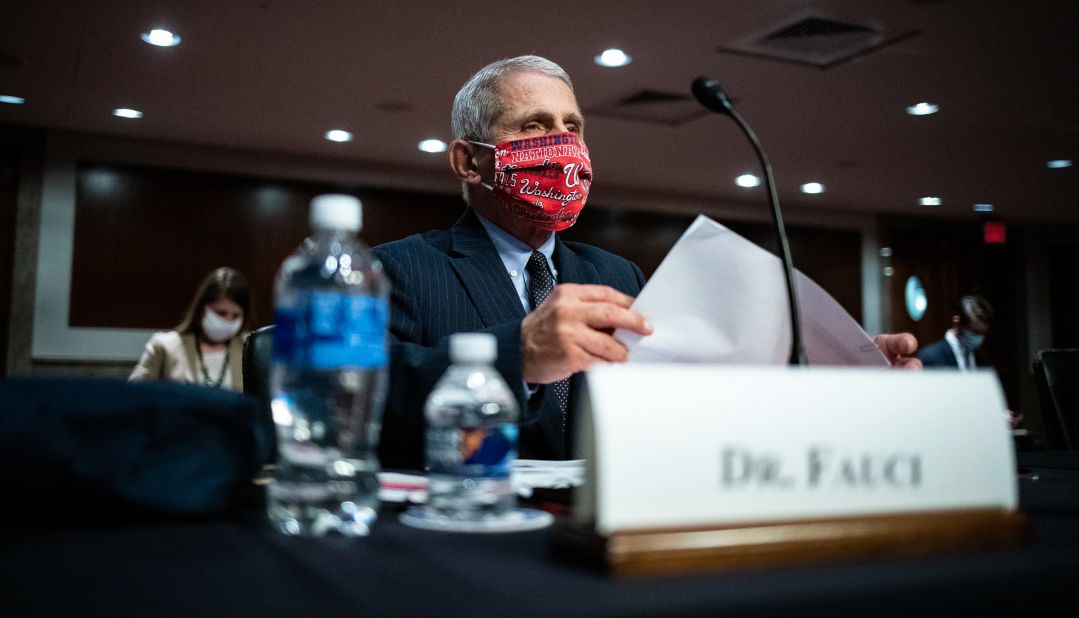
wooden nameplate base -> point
(659, 551)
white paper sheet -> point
(718, 298)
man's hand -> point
(573, 329)
(897, 349)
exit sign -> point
(996, 233)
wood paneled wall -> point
(830, 257)
(9, 192)
(951, 260)
(1064, 294)
(144, 237)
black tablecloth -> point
(238, 566)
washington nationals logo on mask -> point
(543, 180)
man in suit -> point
(958, 349)
(525, 171)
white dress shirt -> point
(515, 254)
(964, 357)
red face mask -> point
(542, 180)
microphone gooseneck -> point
(711, 96)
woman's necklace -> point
(202, 365)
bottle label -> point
(476, 452)
(325, 329)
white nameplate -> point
(700, 445)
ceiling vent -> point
(654, 106)
(815, 40)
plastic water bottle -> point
(471, 436)
(329, 377)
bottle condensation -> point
(471, 435)
(329, 377)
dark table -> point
(238, 566)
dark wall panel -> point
(9, 190)
(1064, 294)
(832, 258)
(145, 237)
(951, 260)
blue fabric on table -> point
(151, 446)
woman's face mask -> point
(542, 180)
(217, 328)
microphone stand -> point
(712, 97)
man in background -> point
(958, 349)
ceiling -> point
(275, 75)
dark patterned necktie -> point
(540, 286)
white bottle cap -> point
(473, 348)
(335, 211)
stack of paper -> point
(718, 298)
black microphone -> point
(711, 95)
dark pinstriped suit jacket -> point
(452, 281)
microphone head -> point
(711, 95)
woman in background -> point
(207, 347)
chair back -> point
(257, 360)
(1057, 375)
(258, 354)
(111, 447)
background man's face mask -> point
(542, 180)
(217, 328)
(970, 341)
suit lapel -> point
(572, 269)
(484, 276)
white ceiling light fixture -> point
(338, 135)
(11, 100)
(929, 201)
(159, 37)
(748, 181)
(983, 208)
(432, 145)
(923, 109)
(126, 112)
(812, 188)
(1057, 164)
(613, 58)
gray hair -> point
(478, 103)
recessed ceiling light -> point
(983, 208)
(613, 58)
(12, 100)
(338, 135)
(748, 181)
(923, 109)
(929, 201)
(124, 112)
(160, 38)
(813, 187)
(1057, 164)
(433, 145)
